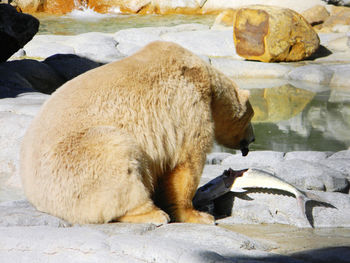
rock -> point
(339, 44)
(22, 213)
(265, 208)
(316, 15)
(217, 157)
(339, 16)
(99, 47)
(212, 43)
(16, 29)
(269, 34)
(296, 5)
(13, 84)
(43, 46)
(250, 69)
(131, 40)
(341, 75)
(40, 76)
(224, 19)
(257, 159)
(68, 66)
(15, 116)
(312, 73)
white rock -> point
(15, 116)
(325, 38)
(99, 47)
(276, 208)
(212, 43)
(341, 76)
(250, 69)
(339, 44)
(254, 159)
(131, 40)
(22, 213)
(297, 5)
(312, 73)
(43, 46)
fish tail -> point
(301, 200)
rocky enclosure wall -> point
(153, 6)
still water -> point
(288, 117)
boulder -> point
(315, 15)
(16, 29)
(268, 33)
(339, 16)
(224, 19)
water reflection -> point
(288, 118)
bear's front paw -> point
(193, 216)
(155, 216)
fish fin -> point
(317, 198)
(301, 200)
(238, 190)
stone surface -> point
(15, 116)
(69, 66)
(269, 34)
(40, 76)
(297, 5)
(16, 29)
(316, 14)
(312, 73)
(224, 19)
(339, 16)
(250, 69)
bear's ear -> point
(243, 96)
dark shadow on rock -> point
(221, 207)
(340, 254)
(309, 207)
(28, 75)
(68, 66)
(321, 52)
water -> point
(289, 240)
(288, 117)
(79, 22)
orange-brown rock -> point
(316, 15)
(58, 6)
(225, 18)
(269, 33)
(146, 6)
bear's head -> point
(232, 114)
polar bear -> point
(128, 141)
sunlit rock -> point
(15, 116)
(339, 16)
(312, 73)
(270, 34)
(297, 5)
(316, 14)
(224, 19)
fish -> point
(250, 179)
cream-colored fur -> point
(126, 139)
